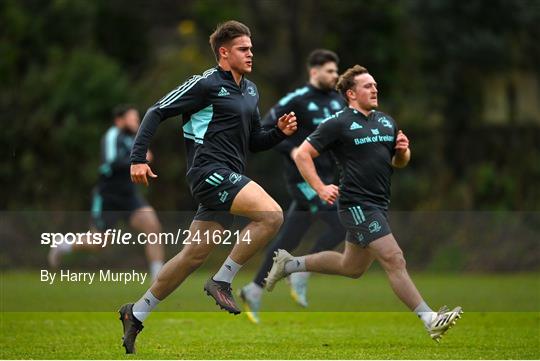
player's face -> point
(326, 75)
(365, 92)
(131, 120)
(238, 54)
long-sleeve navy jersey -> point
(311, 106)
(221, 121)
(115, 161)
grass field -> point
(501, 321)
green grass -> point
(501, 321)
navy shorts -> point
(108, 209)
(215, 190)
(364, 225)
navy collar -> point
(319, 90)
(357, 112)
(227, 74)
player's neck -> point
(236, 75)
(356, 106)
(314, 83)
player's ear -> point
(118, 122)
(223, 52)
(350, 94)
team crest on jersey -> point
(385, 122)
(251, 91)
(334, 104)
(233, 178)
(374, 227)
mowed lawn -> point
(347, 319)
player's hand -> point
(139, 173)
(287, 123)
(402, 142)
(149, 156)
(329, 193)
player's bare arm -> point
(304, 161)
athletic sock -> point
(228, 270)
(425, 313)
(143, 307)
(253, 290)
(297, 264)
(302, 276)
(155, 267)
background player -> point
(312, 103)
(221, 116)
(367, 145)
(115, 197)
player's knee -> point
(355, 273)
(147, 223)
(274, 218)
(395, 261)
(155, 226)
(152, 228)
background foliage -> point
(65, 64)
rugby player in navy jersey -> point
(311, 103)
(115, 198)
(222, 121)
(367, 145)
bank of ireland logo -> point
(233, 178)
(223, 196)
(360, 237)
(374, 227)
(251, 91)
(375, 131)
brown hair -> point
(320, 57)
(121, 109)
(226, 32)
(346, 80)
